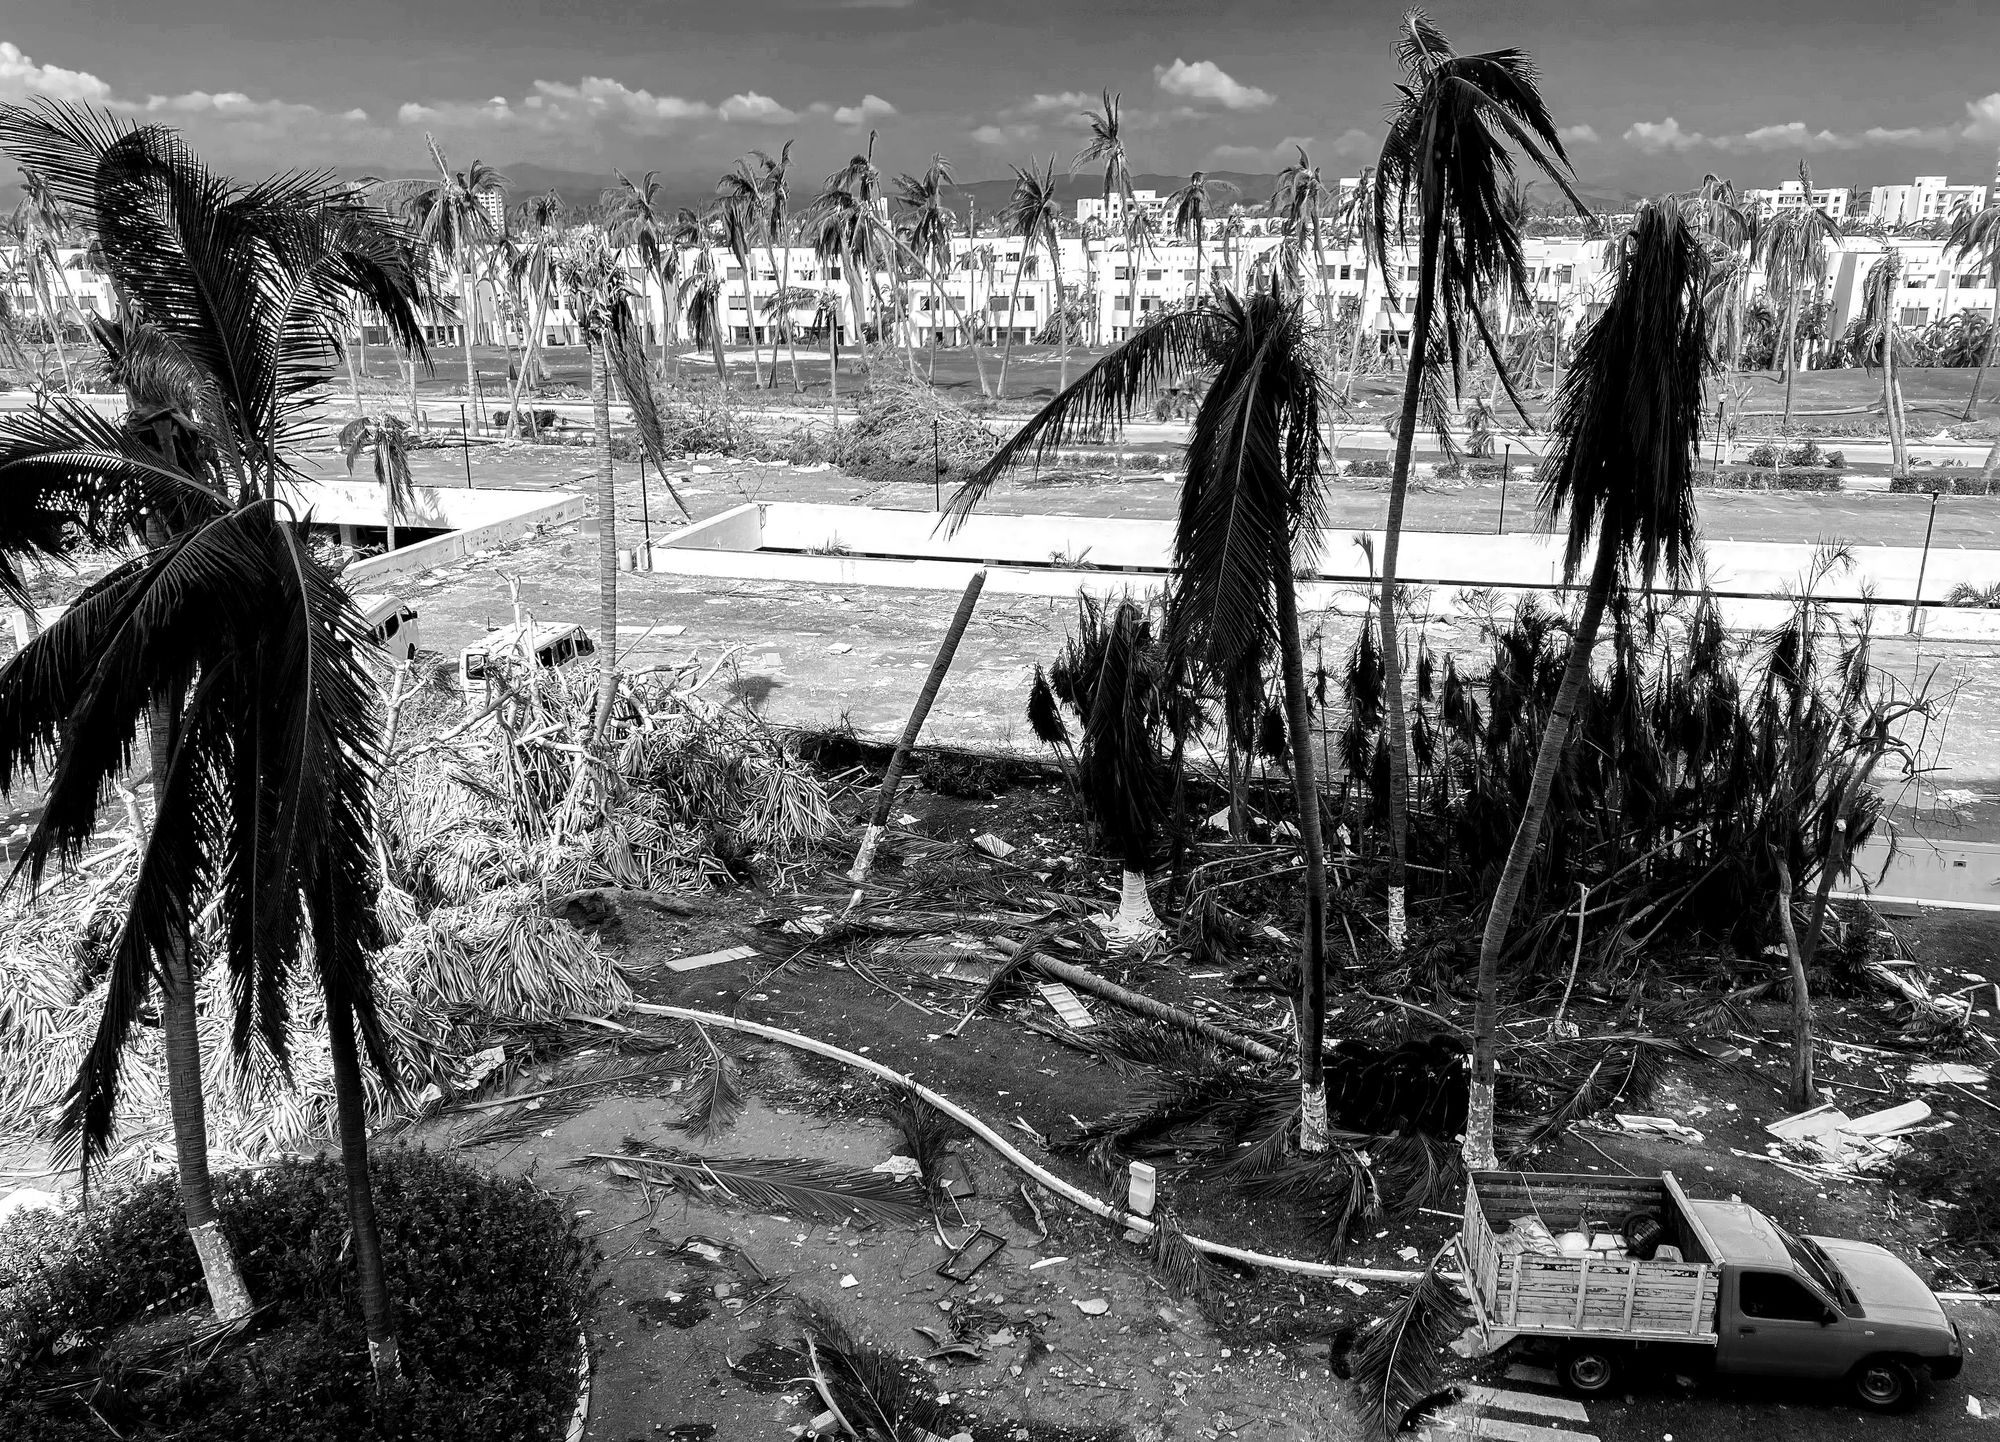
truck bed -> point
(1517, 1293)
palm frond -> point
(1174, 1257)
(1396, 1366)
(715, 1098)
(784, 1185)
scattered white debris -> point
(1066, 1005)
(1091, 1306)
(1937, 1073)
(1144, 1189)
(850, 1280)
(1045, 1262)
(903, 1169)
(993, 846)
(711, 958)
(1658, 1126)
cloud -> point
(1205, 80)
(1791, 136)
(1577, 135)
(1267, 157)
(1355, 142)
(1005, 134)
(756, 109)
(21, 77)
(1983, 119)
(872, 107)
(1657, 137)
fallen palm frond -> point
(1182, 1267)
(928, 1133)
(1396, 1365)
(1553, 1085)
(874, 1393)
(714, 1098)
(510, 1119)
(785, 1185)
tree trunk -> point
(465, 335)
(1992, 341)
(857, 297)
(354, 380)
(414, 415)
(528, 353)
(1804, 1092)
(1313, 1127)
(607, 540)
(1360, 324)
(1478, 1145)
(785, 320)
(1013, 301)
(1892, 409)
(1785, 357)
(377, 1319)
(1062, 317)
(1392, 539)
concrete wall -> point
(435, 508)
(545, 508)
(1928, 871)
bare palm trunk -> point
(1986, 356)
(411, 356)
(354, 379)
(1062, 318)
(857, 296)
(607, 540)
(1360, 330)
(377, 1319)
(1804, 1092)
(1313, 1126)
(1892, 398)
(1325, 296)
(785, 320)
(465, 335)
(1478, 1145)
(528, 354)
(1392, 541)
(1791, 339)
(1013, 300)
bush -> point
(543, 419)
(1763, 458)
(1377, 468)
(1448, 471)
(1939, 485)
(1796, 478)
(490, 1276)
(1487, 470)
(908, 432)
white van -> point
(554, 641)
(391, 624)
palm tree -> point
(1031, 214)
(531, 275)
(388, 444)
(44, 225)
(1795, 248)
(1352, 217)
(1106, 147)
(1188, 215)
(1445, 164)
(738, 214)
(598, 292)
(1627, 447)
(1251, 513)
(763, 199)
(1976, 234)
(928, 225)
(448, 213)
(1880, 339)
(639, 217)
(232, 646)
(1301, 200)
(858, 185)
(1140, 228)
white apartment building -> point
(1111, 212)
(1928, 198)
(1930, 288)
(1790, 196)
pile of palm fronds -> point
(1695, 753)
(905, 431)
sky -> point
(1650, 94)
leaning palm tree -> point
(228, 643)
(1140, 229)
(762, 198)
(857, 187)
(1975, 234)
(739, 215)
(1880, 341)
(639, 216)
(44, 225)
(1627, 448)
(1032, 213)
(531, 266)
(1188, 215)
(929, 223)
(1251, 513)
(1106, 147)
(387, 443)
(1445, 166)
(448, 212)
(1301, 200)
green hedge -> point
(491, 1279)
(1380, 469)
(1788, 478)
(1943, 485)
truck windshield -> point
(1811, 1258)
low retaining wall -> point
(539, 508)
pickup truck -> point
(1622, 1272)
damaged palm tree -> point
(1251, 513)
(387, 442)
(1628, 435)
(1112, 674)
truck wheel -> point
(1884, 1384)
(1587, 1369)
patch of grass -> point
(491, 1279)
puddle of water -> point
(681, 1312)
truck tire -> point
(1588, 1369)
(1884, 1384)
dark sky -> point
(1653, 92)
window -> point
(1412, 272)
(1027, 302)
(1972, 279)
(1121, 302)
(805, 275)
(1914, 315)
(833, 272)
(1565, 274)
(1190, 274)
(1153, 275)
(1149, 302)
(997, 304)
(1913, 281)
(1120, 273)
(735, 272)
(1778, 1297)
(736, 303)
(1347, 272)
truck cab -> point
(1615, 1272)
(1823, 1309)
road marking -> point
(1534, 1404)
(1531, 1374)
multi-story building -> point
(1790, 195)
(1928, 198)
(1934, 286)
(1111, 211)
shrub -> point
(1808, 454)
(543, 419)
(1836, 460)
(491, 1278)
(1763, 457)
(1805, 478)
(1487, 470)
(1448, 471)
(1797, 478)
(965, 775)
(1377, 468)
(1921, 485)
